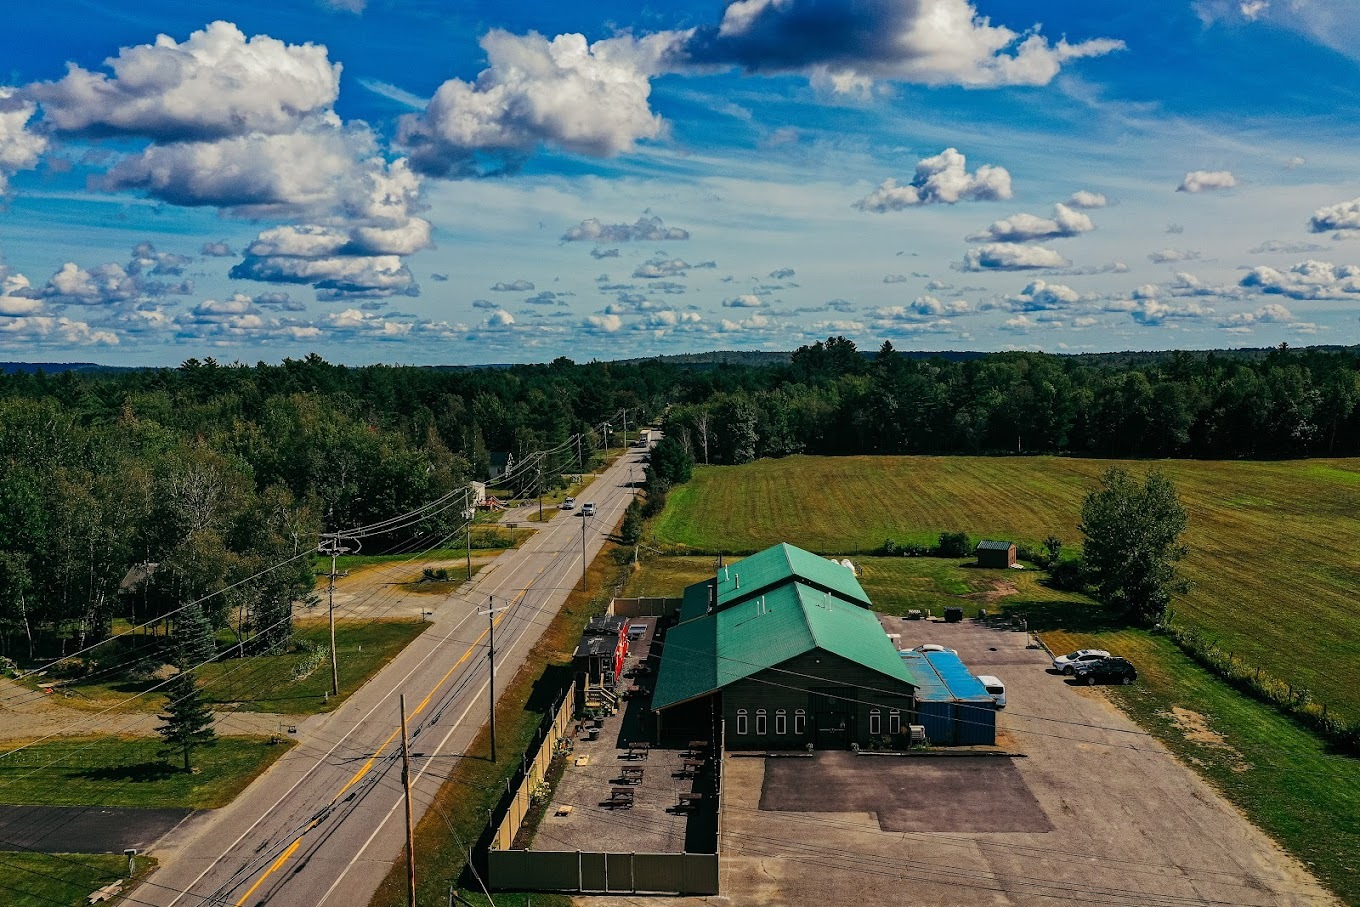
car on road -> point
(1106, 670)
(588, 509)
(569, 504)
(1067, 664)
(935, 647)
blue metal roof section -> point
(929, 686)
(943, 677)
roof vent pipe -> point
(737, 578)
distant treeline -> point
(831, 399)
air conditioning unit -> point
(917, 734)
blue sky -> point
(433, 182)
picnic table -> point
(632, 775)
(691, 766)
(639, 750)
(620, 796)
(698, 746)
(688, 799)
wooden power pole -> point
(410, 827)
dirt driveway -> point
(1096, 813)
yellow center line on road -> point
(368, 766)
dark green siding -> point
(791, 685)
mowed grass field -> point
(1273, 544)
(896, 585)
(41, 879)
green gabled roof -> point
(760, 572)
(695, 602)
(713, 650)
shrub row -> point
(1296, 702)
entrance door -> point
(833, 718)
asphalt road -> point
(325, 823)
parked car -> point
(995, 688)
(1067, 664)
(1107, 670)
(587, 509)
(934, 647)
(569, 504)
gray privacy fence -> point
(645, 607)
(546, 870)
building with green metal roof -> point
(784, 647)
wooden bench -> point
(620, 796)
(639, 750)
(688, 800)
(632, 775)
(698, 747)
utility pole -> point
(580, 463)
(539, 482)
(583, 550)
(330, 545)
(491, 612)
(625, 429)
(469, 551)
(410, 827)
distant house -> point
(995, 554)
(501, 463)
(478, 493)
(137, 576)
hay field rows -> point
(1273, 544)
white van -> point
(995, 688)
(587, 509)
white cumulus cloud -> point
(1307, 280)
(1065, 222)
(215, 84)
(1207, 181)
(846, 44)
(1011, 257)
(1084, 198)
(585, 98)
(20, 147)
(1342, 216)
(648, 229)
(943, 178)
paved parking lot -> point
(1114, 819)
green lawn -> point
(1280, 774)
(1271, 542)
(281, 683)
(295, 682)
(42, 880)
(130, 771)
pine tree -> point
(187, 720)
(194, 640)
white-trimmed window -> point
(875, 722)
(743, 719)
(762, 723)
(781, 722)
(800, 722)
(894, 722)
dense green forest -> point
(215, 472)
(831, 399)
